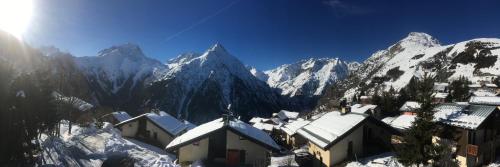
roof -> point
(440, 95)
(284, 114)
(365, 97)
(121, 116)
(257, 119)
(237, 126)
(293, 127)
(189, 125)
(410, 106)
(263, 126)
(482, 92)
(331, 128)
(474, 86)
(485, 100)
(440, 86)
(358, 108)
(163, 120)
(464, 116)
(491, 85)
(401, 122)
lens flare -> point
(15, 16)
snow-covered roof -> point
(291, 128)
(483, 92)
(485, 100)
(410, 106)
(362, 109)
(163, 120)
(490, 85)
(263, 126)
(284, 114)
(258, 119)
(439, 86)
(205, 129)
(465, 116)
(364, 97)
(189, 125)
(474, 85)
(440, 95)
(388, 120)
(331, 127)
(121, 116)
(401, 122)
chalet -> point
(474, 87)
(482, 100)
(475, 131)
(156, 129)
(439, 97)
(491, 87)
(116, 117)
(441, 87)
(401, 122)
(286, 116)
(369, 109)
(410, 108)
(224, 142)
(483, 92)
(336, 137)
(291, 138)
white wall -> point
(193, 152)
(254, 153)
(130, 129)
(338, 152)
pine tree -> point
(417, 147)
(460, 89)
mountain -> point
(414, 55)
(118, 74)
(199, 87)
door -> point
(233, 157)
(350, 154)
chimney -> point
(346, 110)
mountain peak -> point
(421, 38)
(128, 49)
(217, 48)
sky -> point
(261, 33)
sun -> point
(15, 16)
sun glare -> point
(15, 16)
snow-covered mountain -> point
(118, 72)
(420, 53)
(200, 87)
(307, 77)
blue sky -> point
(261, 33)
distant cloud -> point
(342, 8)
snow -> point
(489, 85)
(307, 77)
(410, 106)
(121, 116)
(383, 160)
(401, 122)
(257, 119)
(167, 122)
(217, 124)
(77, 103)
(329, 127)
(284, 114)
(284, 161)
(439, 95)
(293, 127)
(89, 146)
(362, 109)
(485, 100)
(441, 87)
(263, 126)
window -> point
(155, 135)
(472, 137)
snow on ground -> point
(284, 161)
(89, 146)
(382, 160)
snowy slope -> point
(307, 77)
(215, 75)
(112, 68)
(420, 53)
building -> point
(156, 129)
(439, 97)
(401, 122)
(475, 131)
(365, 100)
(116, 117)
(441, 87)
(290, 136)
(369, 109)
(335, 137)
(410, 108)
(286, 116)
(224, 142)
